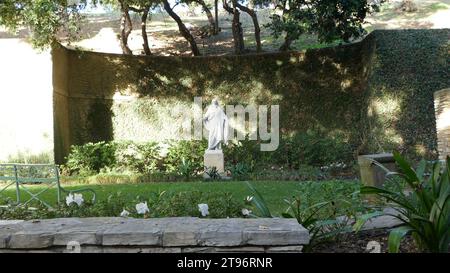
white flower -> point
(249, 199)
(142, 208)
(69, 199)
(203, 208)
(74, 198)
(124, 213)
(246, 212)
(78, 198)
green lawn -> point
(273, 191)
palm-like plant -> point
(424, 210)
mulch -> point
(365, 242)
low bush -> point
(423, 209)
(160, 204)
(90, 158)
(304, 156)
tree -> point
(47, 20)
(254, 17)
(212, 22)
(143, 7)
(125, 26)
(238, 33)
(182, 28)
(330, 20)
(216, 11)
(236, 27)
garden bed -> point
(365, 242)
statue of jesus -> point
(216, 122)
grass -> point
(274, 192)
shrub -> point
(311, 148)
(245, 151)
(221, 204)
(321, 216)
(186, 154)
(298, 158)
(138, 157)
(160, 204)
(239, 171)
(90, 158)
(425, 210)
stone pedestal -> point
(371, 174)
(214, 158)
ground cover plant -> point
(225, 199)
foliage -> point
(221, 205)
(191, 152)
(424, 209)
(243, 151)
(313, 148)
(212, 173)
(325, 220)
(301, 155)
(258, 201)
(137, 157)
(379, 97)
(91, 157)
(319, 230)
(409, 66)
(329, 19)
(160, 204)
(45, 18)
(239, 171)
(274, 191)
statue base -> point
(214, 159)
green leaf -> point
(286, 215)
(259, 201)
(407, 169)
(396, 236)
(364, 218)
(421, 169)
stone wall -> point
(377, 93)
(442, 111)
(180, 234)
(102, 96)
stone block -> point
(133, 232)
(284, 249)
(214, 158)
(371, 174)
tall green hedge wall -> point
(377, 93)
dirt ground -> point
(166, 40)
(373, 241)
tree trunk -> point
(238, 35)
(125, 28)
(286, 44)
(183, 30)
(212, 23)
(288, 39)
(216, 11)
(252, 14)
(144, 30)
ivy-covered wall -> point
(408, 67)
(365, 92)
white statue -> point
(216, 122)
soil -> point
(359, 243)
